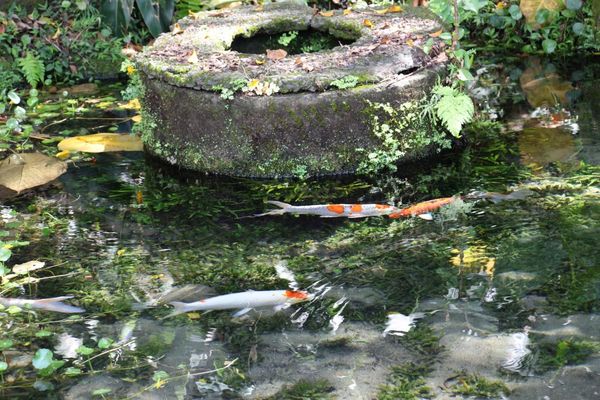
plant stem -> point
(456, 23)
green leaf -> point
(515, 12)
(474, 5)
(5, 344)
(464, 75)
(578, 28)
(72, 371)
(150, 11)
(4, 254)
(454, 109)
(101, 392)
(14, 97)
(32, 68)
(167, 9)
(160, 376)
(105, 343)
(42, 359)
(43, 334)
(3, 366)
(549, 46)
(574, 4)
(43, 386)
(117, 14)
(84, 350)
(442, 9)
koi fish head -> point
(296, 296)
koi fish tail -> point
(179, 308)
(55, 304)
(282, 210)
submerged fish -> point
(245, 301)
(332, 210)
(423, 208)
(52, 304)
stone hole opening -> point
(293, 42)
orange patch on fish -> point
(336, 208)
(423, 207)
(295, 294)
(356, 208)
(382, 206)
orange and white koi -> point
(52, 304)
(424, 208)
(332, 210)
(245, 301)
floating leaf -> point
(62, 155)
(72, 371)
(105, 343)
(530, 8)
(275, 55)
(42, 359)
(102, 142)
(544, 88)
(25, 268)
(84, 350)
(20, 172)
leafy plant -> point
(346, 82)
(156, 14)
(33, 69)
(453, 108)
(287, 37)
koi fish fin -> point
(426, 216)
(283, 208)
(178, 308)
(356, 216)
(55, 304)
(331, 216)
(280, 307)
(241, 312)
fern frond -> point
(32, 68)
(453, 108)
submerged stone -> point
(209, 108)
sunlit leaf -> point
(20, 172)
(101, 143)
(3, 366)
(530, 8)
(326, 13)
(25, 268)
(394, 9)
(42, 359)
(368, 23)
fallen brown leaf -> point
(436, 33)
(177, 29)
(326, 13)
(20, 172)
(275, 55)
(368, 23)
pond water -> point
(502, 295)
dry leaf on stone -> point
(394, 9)
(193, 58)
(177, 29)
(367, 23)
(25, 268)
(101, 143)
(347, 11)
(20, 172)
(326, 13)
(436, 33)
(275, 55)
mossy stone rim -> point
(386, 46)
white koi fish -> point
(244, 301)
(52, 304)
(332, 210)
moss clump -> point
(552, 355)
(478, 386)
(423, 340)
(305, 389)
(406, 383)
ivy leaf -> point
(42, 359)
(574, 4)
(3, 366)
(84, 350)
(515, 12)
(578, 28)
(474, 5)
(454, 109)
(442, 9)
(549, 46)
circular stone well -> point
(209, 108)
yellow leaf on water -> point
(529, 8)
(347, 11)
(132, 105)
(394, 9)
(136, 118)
(193, 315)
(381, 12)
(120, 252)
(25, 268)
(367, 23)
(62, 155)
(326, 13)
(101, 143)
